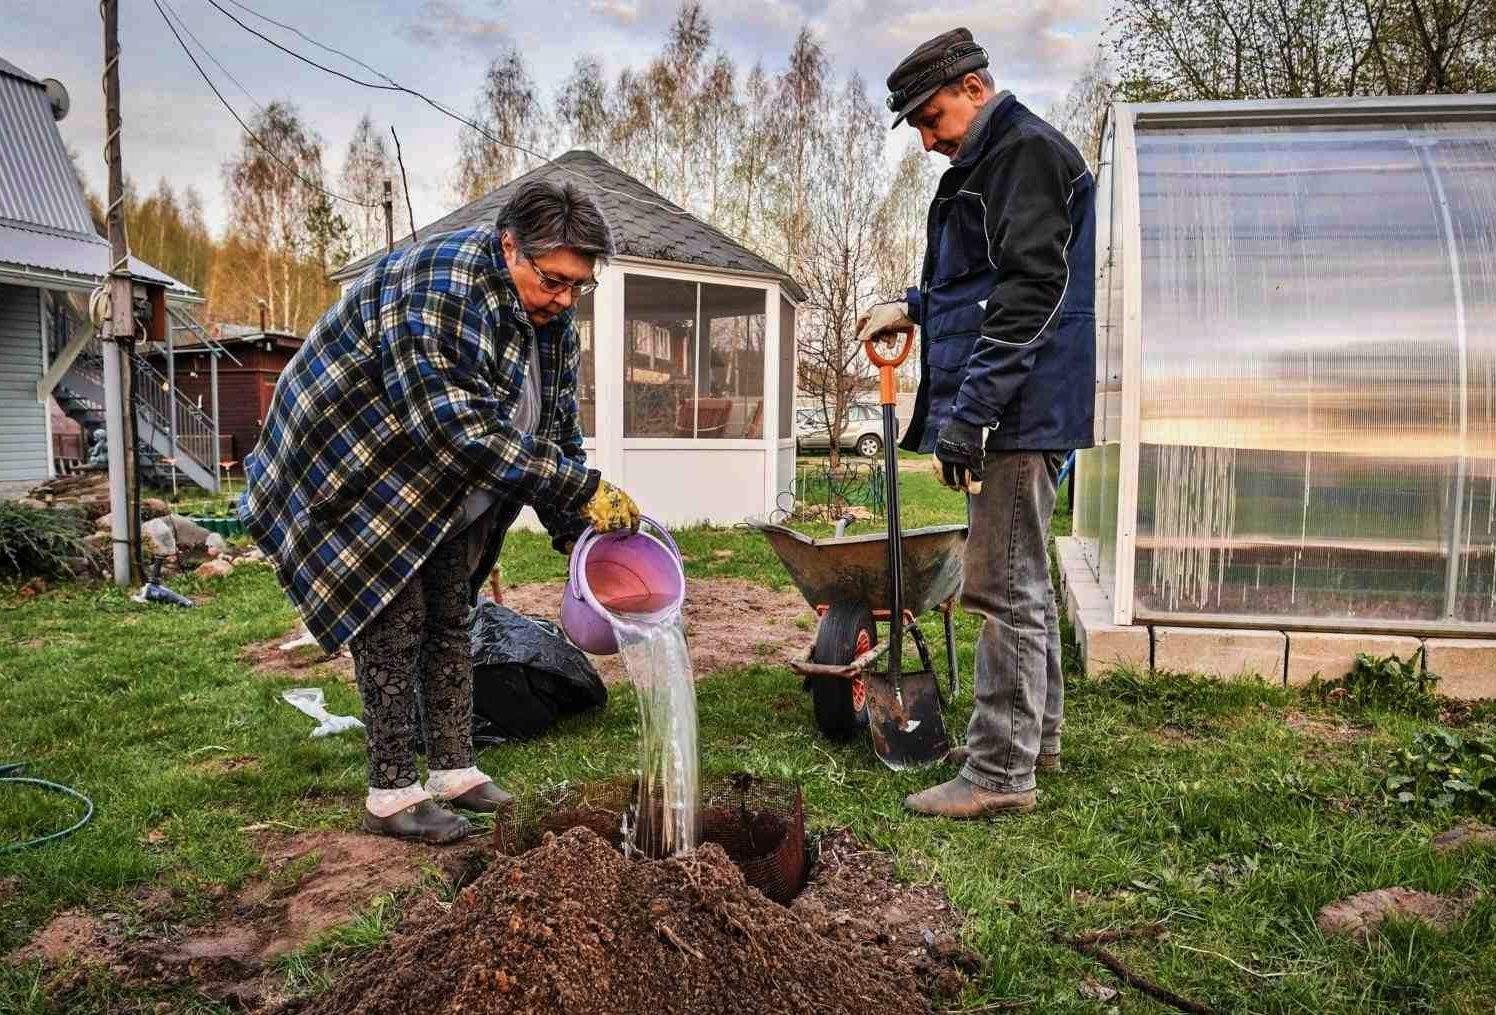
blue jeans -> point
(1019, 685)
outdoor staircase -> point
(194, 456)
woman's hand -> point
(610, 509)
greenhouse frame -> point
(1296, 369)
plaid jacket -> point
(395, 408)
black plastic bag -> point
(526, 675)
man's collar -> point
(978, 130)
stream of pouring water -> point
(660, 669)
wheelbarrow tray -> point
(855, 568)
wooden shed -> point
(247, 372)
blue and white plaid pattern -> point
(396, 407)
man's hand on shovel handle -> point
(960, 456)
(884, 322)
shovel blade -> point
(908, 730)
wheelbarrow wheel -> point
(840, 703)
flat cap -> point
(934, 63)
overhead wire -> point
(314, 185)
(393, 85)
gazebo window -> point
(693, 359)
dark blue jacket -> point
(1006, 302)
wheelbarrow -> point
(854, 682)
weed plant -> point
(1387, 683)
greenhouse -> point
(1296, 383)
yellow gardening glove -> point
(611, 509)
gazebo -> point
(688, 352)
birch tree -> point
(512, 116)
(367, 165)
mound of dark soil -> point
(572, 926)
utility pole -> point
(389, 218)
(119, 329)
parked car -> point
(862, 434)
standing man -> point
(1007, 382)
(431, 402)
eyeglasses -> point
(556, 286)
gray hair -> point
(543, 216)
(981, 72)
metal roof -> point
(45, 227)
(6, 67)
(644, 223)
(37, 183)
(73, 257)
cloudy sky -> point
(174, 127)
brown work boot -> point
(486, 798)
(961, 799)
(425, 821)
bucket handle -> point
(590, 536)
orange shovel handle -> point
(887, 390)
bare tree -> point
(582, 106)
(511, 114)
(1081, 114)
(837, 250)
(367, 164)
(751, 161)
(274, 203)
(1232, 49)
(800, 121)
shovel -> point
(904, 709)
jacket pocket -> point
(962, 248)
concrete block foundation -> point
(1332, 655)
(1466, 666)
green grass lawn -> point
(1183, 801)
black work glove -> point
(959, 455)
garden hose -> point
(11, 772)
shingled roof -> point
(645, 224)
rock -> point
(219, 567)
(254, 553)
(170, 534)
(215, 544)
(1471, 834)
(104, 522)
(97, 541)
(154, 507)
(1358, 916)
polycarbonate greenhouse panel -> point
(1317, 418)
(1466, 168)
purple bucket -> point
(620, 573)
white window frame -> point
(622, 267)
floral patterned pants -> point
(418, 647)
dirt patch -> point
(1325, 729)
(572, 926)
(313, 882)
(729, 622)
(1470, 835)
(268, 658)
(73, 936)
(854, 896)
(1360, 915)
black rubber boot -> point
(485, 798)
(425, 821)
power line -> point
(395, 86)
(244, 126)
(176, 15)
